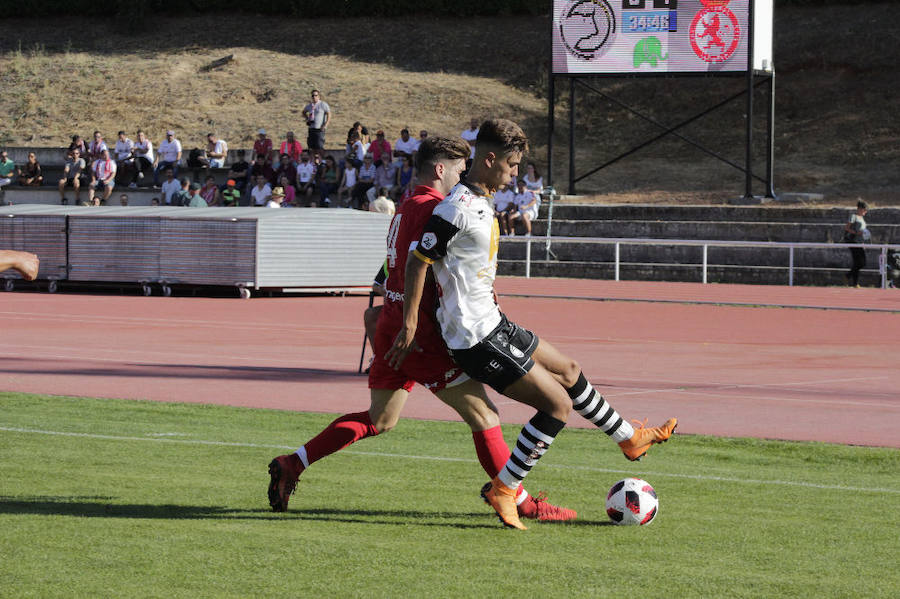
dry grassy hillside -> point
(837, 123)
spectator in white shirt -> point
(216, 151)
(170, 187)
(143, 156)
(405, 147)
(526, 208)
(276, 199)
(261, 192)
(470, 135)
(168, 155)
(306, 179)
(124, 159)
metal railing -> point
(705, 244)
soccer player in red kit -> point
(439, 163)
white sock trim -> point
(301, 453)
(624, 432)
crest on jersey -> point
(429, 240)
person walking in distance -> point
(317, 114)
(460, 243)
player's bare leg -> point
(590, 404)
(26, 263)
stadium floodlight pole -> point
(551, 107)
(770, 146)
(748, 178)
(571, 135)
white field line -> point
(702, 477)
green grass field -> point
(107, 498)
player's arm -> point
(379, 280)
(24, 262)
(431, 248)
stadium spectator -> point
(77, 142)
(103, 177)
(365, 178)
(96, 147)
(182, 197)
(231, 195)
(290, 192)
(385, 178)
(328, 181)
(526, 208)
(26, 263)
(72, 172)
(168, 155)
(239, 171)
(30, 174)
(423, 135)
(261, 192)
(317, 114)
(504, 204)
(170, 187)
(276, 199)
(533, 180)
(306, 179)
(382, 203)
(210, 191)
(291, 147)
(355, 149)
(406, 175)
(123, 199)
(380, 148)
(7, 169)
(405, 147)
(262, 168)
(855, 231)
(286, 168)
(154, 201)
(216, 151)
(470, 135)
(143, 156)
(262, 147)
(195, 200)
(123, 152)
(348, 181)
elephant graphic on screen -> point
(648, 50)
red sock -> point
(493, 453)
(344, 431)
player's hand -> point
(404, 343)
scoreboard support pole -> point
(748, 155)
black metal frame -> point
(754, 79)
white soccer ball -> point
(632, 501)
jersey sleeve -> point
(381, 275)
(445, 222)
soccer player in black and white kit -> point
(460, 242)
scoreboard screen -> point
(659, 36)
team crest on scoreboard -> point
(587, 28)
(715, 32)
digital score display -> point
(659, 36)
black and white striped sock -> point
(533, 442)
(592, 406)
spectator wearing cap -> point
(317, 114)
(291, 147)
(405, 147)
(196, 200)
(216, 151)
(262, 147)
(380, 148)
(168, 155)
(103, 177)
(124, 153)
(231, 195)
(239, 171)
(276, 199)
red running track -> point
(653, 349)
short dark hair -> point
(862, 205)
(503, 135)
(434, 149)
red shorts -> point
(433, 368)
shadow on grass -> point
(102, 507)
